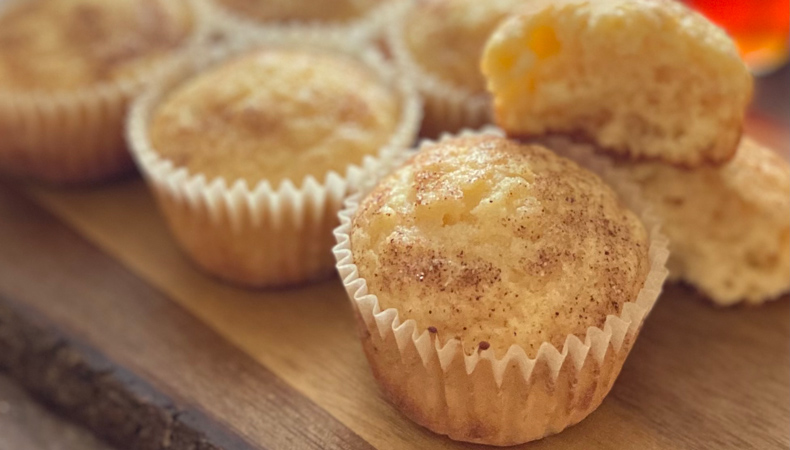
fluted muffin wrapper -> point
(230, 25)
(262, 235)
(71, 137)
(448, 107)
(479, 397)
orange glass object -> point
(760, 28)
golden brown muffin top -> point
(446, 37)
(276, 114)
(68, 44)
(300, 10)
(497, 243)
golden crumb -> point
(68, 44)
(497, 243)
(276, 114)
(650, 79)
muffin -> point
(439, 43)
(251, 151)
(647, 79)
(67, 71)
(354, 18)
(728, 226)
(473, 264)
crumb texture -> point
(56, 45)
(729, 227)
(650, 79)
(497, 243)
(300, 10)
(276, 114)
(446, 37)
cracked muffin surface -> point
(497, 243)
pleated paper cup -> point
(70, 137)
(449, 108)
(229, 24)
(484, 399)
(262, 235)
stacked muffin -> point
(498, 285)
(664, 92)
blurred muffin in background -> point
(251, 152)
(439, 43)
(67, 71)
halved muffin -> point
(647, 79)
(728, 226)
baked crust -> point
(498, 244)
(276, 114)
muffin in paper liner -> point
(72, 137)
(448, 107)
(480, 398)
(263, 235)
(229, 25)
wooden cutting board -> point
(103, 318)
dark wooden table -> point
(103, 320)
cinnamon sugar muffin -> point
(472, 264)
(440, 42)
(645, 79)
(252, 149)
(274, 115)
(494, 242)
(67, 69)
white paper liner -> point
(73, 137)
(230, 25)
(261, 235)
(478, 397)
(448, 107)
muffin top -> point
(300, 10)
(446, 37)
(67, 44)
(276, 114)
(497, 243)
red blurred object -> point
(760, 28)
